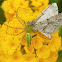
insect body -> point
(28, 35)
(28, 38)
(47, 22)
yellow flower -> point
(45, 2)
(40, 60)
(2, 55)
(37, 42)
(11, 45)
(16, 57)
(55, 42)
(20, 3)
(29, 58)
(43, 52)
(52, 58)
(29, 49)
(24, 13)
(8, 7)
(3, 30)
(9, 16)
(39, 5)
(36, 3)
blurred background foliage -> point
(2, 17)
(1, 2)
(59, 2)
(59, 56)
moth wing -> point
(53, 24)
(52, 10)
(48, 12)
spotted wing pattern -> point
(48, 12)
(52, 24)
(40, 22)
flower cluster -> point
(13, 45)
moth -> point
(47, 22)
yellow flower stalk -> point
(13, 45)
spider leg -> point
(13, 27)
(19, 45)
(34, 50)
(23, 38)
(24, 23)
(14, 34)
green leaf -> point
(35, 51)
(1, 1)
(34, 35)
(30, 2)
(60, 31)
(59, 2)
(53, 1)
(59, 56)
(23, 52)
(2, 17)
(60, 5)
(60, 53)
